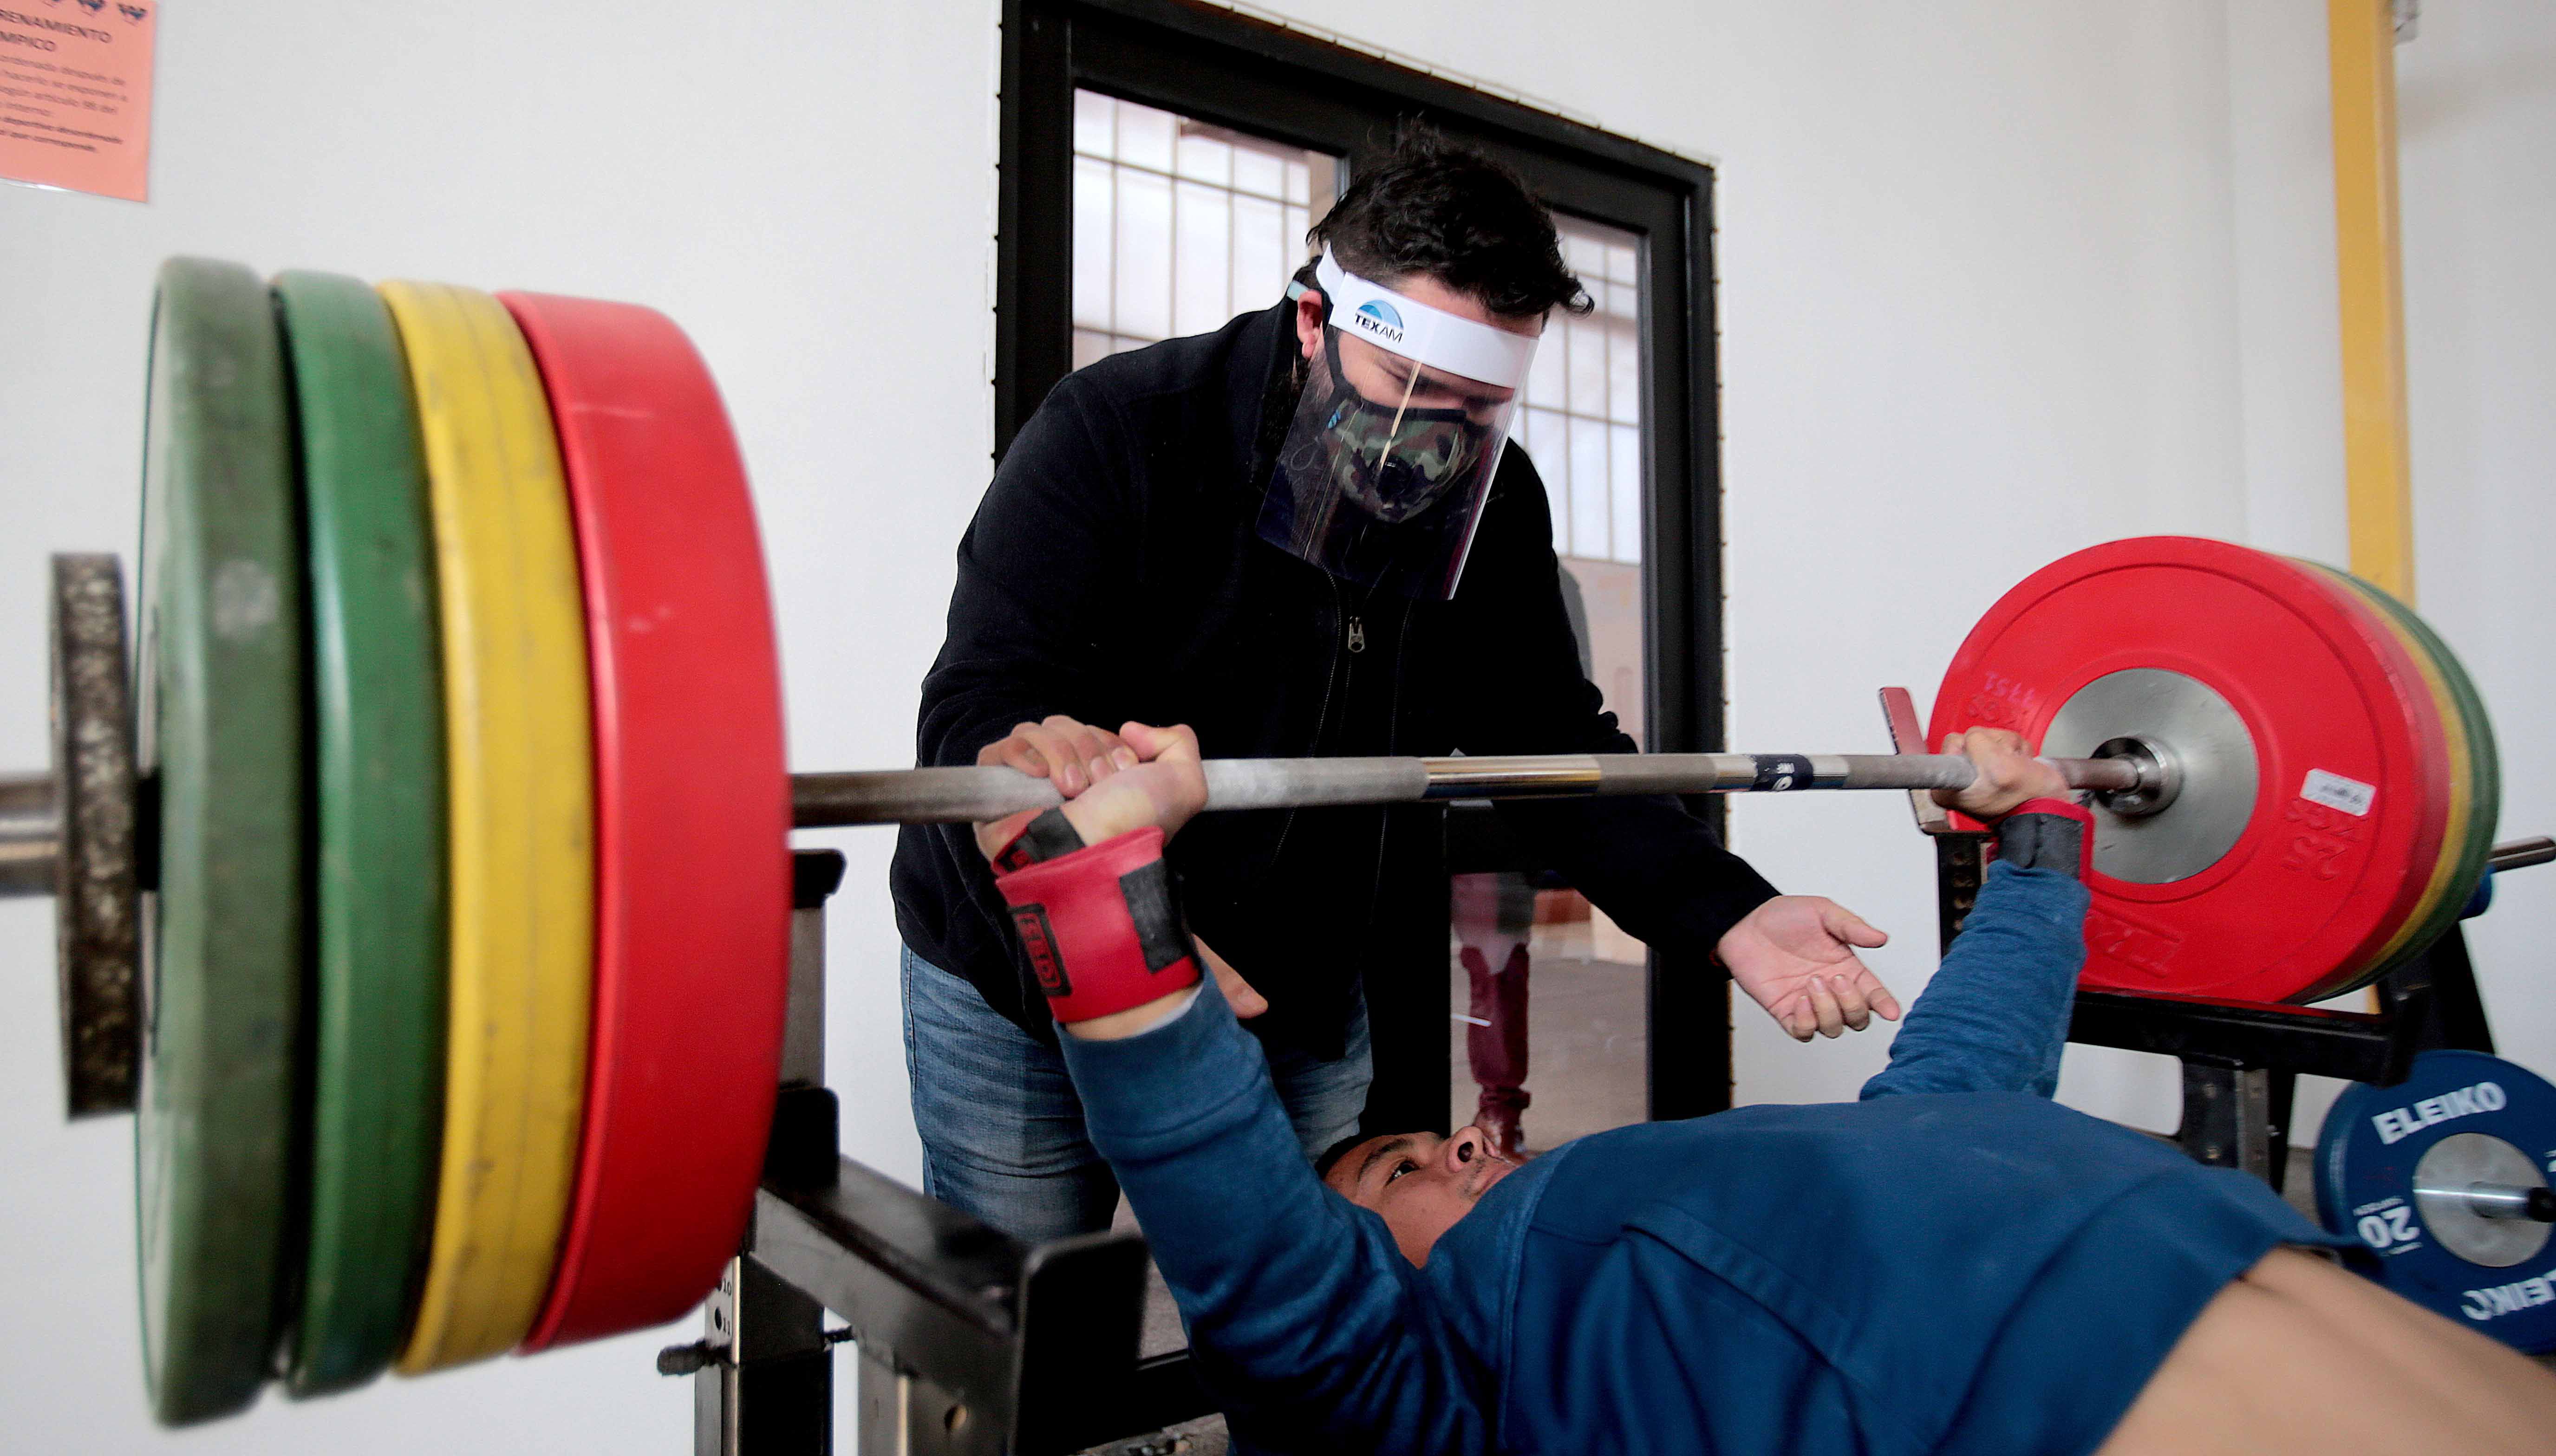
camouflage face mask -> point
(1392, 461)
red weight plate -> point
(2335, 715)
(692, 819)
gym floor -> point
(1585, 1039)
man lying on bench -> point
(1954, 1263)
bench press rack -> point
(2241, 1060)
(972, 1343)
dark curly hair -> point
(1437, 207)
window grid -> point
(1582, 417)
(1179, 225)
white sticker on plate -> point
(2336, 791)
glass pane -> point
(1590, 501)
(1144, 263)
(1544, 375)
(1201, 258)
(1145, 136)
(1624, 376)
(1611, 592)
(1587, 339)
(1203, 156)
(1092, 205)
(1567, 1056)
(1094, 121)
(1260, 171)
(1260, 249)
(1625, 482)
(1552, 459)
(1179, 225)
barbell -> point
(422, 885)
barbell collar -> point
(973, 795)
(31, 834)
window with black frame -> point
(1547, 995)
(1160, 163)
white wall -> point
(1998, 282)
(807, 188)
(2477, 129)
(1978, 297)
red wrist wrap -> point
(1101, 927)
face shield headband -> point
(1390, 459)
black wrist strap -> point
(1049, 836)
(2048, 834)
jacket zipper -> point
(1392, 742)
(1322, 714)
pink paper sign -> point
(76, 94)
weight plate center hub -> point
(2472, 1189)
(2205, 755)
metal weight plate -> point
(2434, 1174)
(2333, 752)
(692, 819)
(221, 681)
(2475, 760)
(96, 903)
(377, 1034)
(518, 766)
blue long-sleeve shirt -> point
(1953, 1262)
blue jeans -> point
(1003, 1128)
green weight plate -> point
(2456, 783)
(221, 684)
(2486, 776)
(377, 1033)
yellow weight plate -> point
(518, 753)
(2478, 779)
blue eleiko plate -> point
(2365, 1161)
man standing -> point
(1301, 535)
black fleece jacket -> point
(1114, 571)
